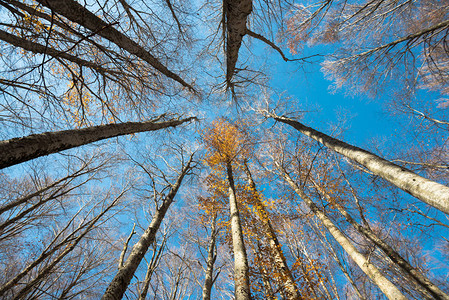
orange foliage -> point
(226, 142)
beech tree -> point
(262, 212)
(226, 144)
(22, 149)
(118, 285)
(428, 191)
(389, 289)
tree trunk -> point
(268, 289)
(69, 242)
(77, 13)
(45, 49)
(120, 283)
(211, 256)
(241, 276)
(430, 192)
(386, 286)
(152, 265)
(236, 13)
(325, 242)
(18, 150)
(425, 286)
(287, 278)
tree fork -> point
(18, 150)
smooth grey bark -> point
(119, 284)
(385, 285)
(18, 150)
(287, 279)
(334, 255)
(425, 286)
(430, 192)
(211, 257)
(241, 269)
(77, 13)
(235, 13)
(155, 259)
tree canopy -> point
(170, 149)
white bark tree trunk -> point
(241, 276)
(211, 257)
(430, 192)
(325, 242)
(425, 286)
(385, 285)
(120, 283)
(18, 150)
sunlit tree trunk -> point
(152, 265)
(211, 257)
(18, 150)
(241, 269)
(120, 283)
(425, 286)
(281, 262)
(385, 285)
(430, 192)
(66, 245)
(325, 242)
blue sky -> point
(367, 120)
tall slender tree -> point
(23, 149)
(430, 192)
(227, 144)
(119, 284)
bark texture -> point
(289, 283)
(211, 257)
(236, 14)
(120, 283)
(75, 12)
(19, 150)
(428, 191)
(425, 286)
(385, 285)
(241, 276)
